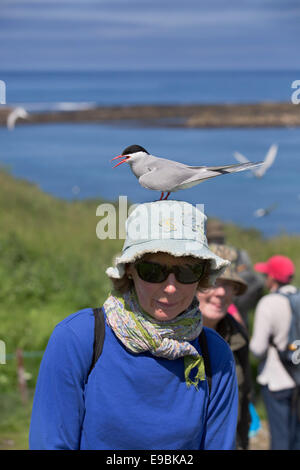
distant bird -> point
(160, 174)
(268, 161)
(263, 212)
(75, 190)
(14, 115)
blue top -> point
(129, 401)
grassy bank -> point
(52, 264)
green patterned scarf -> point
(139, 332)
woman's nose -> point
(220, 290)
(170, 284)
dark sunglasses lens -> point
(155, 273)
(150, 272)
(190, 274)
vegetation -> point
(52, 264)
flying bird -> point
(268, 161)
(160, 174)
(14, 115)
(263, 212)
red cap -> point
(279, 267)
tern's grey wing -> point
(204, 173)
(166, 176)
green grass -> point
(52, 264)
(15, 419)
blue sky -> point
(156, 34)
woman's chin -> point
(166, 314)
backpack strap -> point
(205, 354)
(294, 301)
(99, 334)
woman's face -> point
(166, 300)
(214, 301)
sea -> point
(73, 161)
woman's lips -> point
(166, 304)
(217, 306)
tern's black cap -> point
(134, 149)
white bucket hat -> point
(173, 227)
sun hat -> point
(230, 273)
(168, 226)
(278, 267)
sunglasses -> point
(156, 273)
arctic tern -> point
(161, 174)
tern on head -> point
(161, 174)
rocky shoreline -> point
(267, 114)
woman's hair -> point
(122, 285)
(125, 284)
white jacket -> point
(272, 319)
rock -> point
(268, 114)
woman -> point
(148, 390)
(214, 305)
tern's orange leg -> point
(161, 195)
(167, 195)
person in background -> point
(149, 388)
(242, 304)
(214, 304)
(272, 320)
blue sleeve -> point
(58, 406)
(222, 413)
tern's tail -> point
(234, 168)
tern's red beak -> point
(125, 158)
